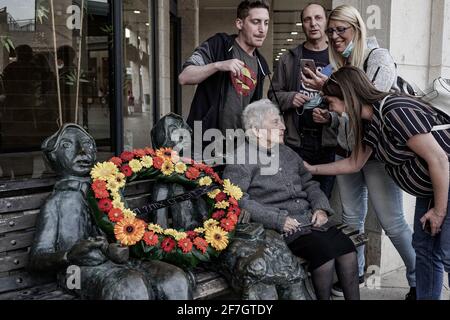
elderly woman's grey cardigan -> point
(271, 198)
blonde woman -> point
(349, 46)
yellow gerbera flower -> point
(147, 162)
(222, 205)
(199, 230)
(155, 228)
(113, 185)
(210, 223)
(217, 238)
(170, 232)
(127, 213)
(118, 204)
(129, 231)
(167, 168)
(180, 235)
(180, 168)
(104, 171)
(135, 165)
(232, 190)
(213, 194)
(121, 179)
(205, 181)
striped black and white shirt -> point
(404, 118)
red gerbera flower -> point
(168, 244)
(192, 173)
(216, 178)
(234, 210)
(192, 234)
(116, 160)
(99, 185)
(201, 244)
(232, 217)
(140, 153)
(126, 170)
(185, 245)
(151, 239)
(127, 156)
(158, 162)
(105, 205)
(227, 225)
(218, 215)
(221, 197)
(209, 171)
(150, 152)
(101, 194)
(233, 202)
(115, 215)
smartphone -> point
(427, 227)
(308, 63)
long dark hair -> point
(352, 85)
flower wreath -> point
(181, 247)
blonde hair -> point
(350, 15)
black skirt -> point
(321, 247)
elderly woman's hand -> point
(316, 80)
(290, 225)
(319, 218)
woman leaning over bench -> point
(281, 198)
(412, 140)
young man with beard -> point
(229, 70)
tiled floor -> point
(393, 286)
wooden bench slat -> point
(19, 221)
(14, 262)
(19, 185)
(23, 280)
(14, 241)
(138, 187)
(22, 203)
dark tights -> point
(347, 272)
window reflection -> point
(39, 87)
(138, 118)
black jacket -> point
(210, 94)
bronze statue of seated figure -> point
(66, 234)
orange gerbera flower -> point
(185, 245)
(201, 244)
(151, 239)
(115, 215)
(129, 231)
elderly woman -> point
(279, 200)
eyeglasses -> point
(339, 30)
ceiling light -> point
(277, 59)
(289, 40)
(294, 33)
(127, 33)
(298, 24)
(283, 50)
(147, 24)
(137, 11)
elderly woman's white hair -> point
(255, 113)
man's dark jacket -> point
(209, 98)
